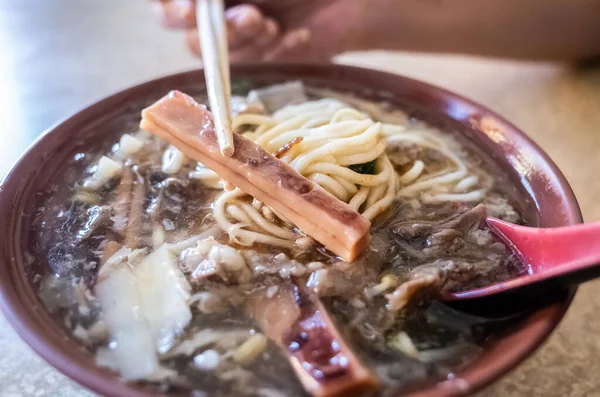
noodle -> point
(322, 140)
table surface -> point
(59, 55)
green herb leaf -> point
(365, 168)
(240, 87)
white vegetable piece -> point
(105, 171)
(208, 360)
(210, 257)
(163, 291)
(145, 308)
(133, 348)
(128, 144)
(172, 160)
(277, 96)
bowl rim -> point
(539, 326)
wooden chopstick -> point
(210, 16)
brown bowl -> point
(550, 203)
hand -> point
(298, 30)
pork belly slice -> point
(187, 125)
(297, 321)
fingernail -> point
(247, 19)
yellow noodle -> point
(331, 185)
(359, 198)
(466, 183)
(335, 136)
(265, 224)
(414, 172)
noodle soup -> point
(176, 279)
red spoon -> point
(566, 255)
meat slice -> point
(187, 125)
(467, 220)
(299, 323)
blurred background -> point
(58, 56)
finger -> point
(244, 24)
(291, 46)
(176, 14)
(234, 41)
(254, 50)
(240, 29)
(270, 34)
(247, 20)
(266, 38)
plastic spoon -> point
(565, 255)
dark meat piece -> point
(448, 275)
(459, 273)
(301, 326)
(467, 220)
(440, 275)
(456, 254)
(445, 237)
(430, 240)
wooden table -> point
(58, 55)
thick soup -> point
(175, 278)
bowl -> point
(550, 203)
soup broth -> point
(173, 279)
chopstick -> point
(210, 17)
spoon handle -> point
(562, 249)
